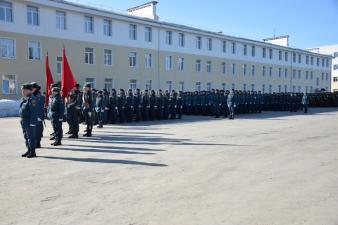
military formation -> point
(99, 107)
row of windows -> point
(34, 53)
(6, 14)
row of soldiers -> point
(216, 102)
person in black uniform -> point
(122, 106)
(145, 105)
(88, 109)
(73, 109)
(130, 106)
(113, 103)
(99, 108)
(28, 114)
(153, 105)
(40, 102)
(138, 105)
(179, 105)
(56, 114)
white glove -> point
(31, 125)
(39, 120)
(90, 113)
(60, 120)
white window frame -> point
(15, 84)
(87, 56)
(132, 57)
(148, 60)
(181, 39)
(198, 66)
(6, 9)
(8, 48)
(181, 63)
(92, 83)
(31, 14)
(168, 63)
(209, 66)
(107, 27)
(39, 48)
(89, 24)
(168, 37)
(61, 20)
(108, 57)
(133, 32)
(148, 34)
(209, 44)
(199, 42)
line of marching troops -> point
(93, 107)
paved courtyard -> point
(268, 169)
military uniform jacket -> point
(40, 101)
(99, 104)
(57, 108)
(28, 111)
(87, 101)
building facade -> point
(333, 51)
(116, 50)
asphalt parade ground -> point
(274, 168)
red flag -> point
(68, 81)
(49, 81)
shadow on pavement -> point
(107, 161)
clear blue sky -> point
(309, 23)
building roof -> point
(182, 27)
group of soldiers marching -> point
(93, 107)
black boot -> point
(38, 145)
(56, 143)
(52, 138)
(31, 154)
(74, 136)
(26, 154)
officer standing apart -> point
(305, 102)
(56, 113)
(87, 109)
(28, 121)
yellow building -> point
(137, 50)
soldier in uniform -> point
(166, 105)
(130, 106)
(153, 105)
(122, 106)
(173, 104)
(179, 105)
(28, 114)
(160, 105)
(138, 105)
(40, 101)
(99, 108)
(56, 115)
(113, 107)
(88, 109)
(231, 105)
(105, 105)
(73, 109)
(305, 102)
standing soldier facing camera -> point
(28, 121)
(87, 109)
(40, 101)
(56, 114)
(73, 109)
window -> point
(285, 88)
(148, 34)
(317, 62)
(224, 46)
(107, 27)
(252, 87)
(89, 56)
(311, 59)
(233, 86)
(270, 88)
(263, 71)
(280, 55)
(169, 85)
(168, 63)
(9, 84)
(311, 75)
(181, 40)
(209, 66)
(323, 62)
(181, 86)
(59, 65)
(198, 86)
(198, 65)
(307, 60)
(299, 89)
(326, 76)
(322, 76)
(293, 88)
(33, 15)
(286, 56)
(299, 58)
(169, 37)
(132, 32)
(335, 79)
(132, 59)
(253, 70)
(299, 74)
(306, 89)
(233, 68)
(148, 85)
(294, 74)
(209, 44)
(327, 63)
(34, 50)
(279, 88)
(311, 89)
(244, 87)
(244, 69)
(270, 53)
(224, 68)
(148, 58)
(263, 88)
(6, 11)
(199, 42)
(264, 53)
(317, 81)
(270, 71)
(279, 72)
(335, 67)
(306, 75)
(245, 49)
(208, 87)
(7, 48)
(180, 64)
(91, 81)
(294, 58)
(233, 47)
(108, 57)
(285, 72)
(132, 84)
(61, 20)
(253, 51)
(108, 84)
(224, 86)
(89, 24)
